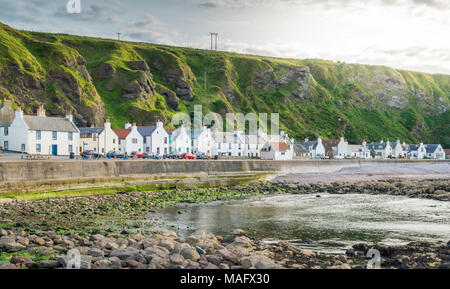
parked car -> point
(136, 155)
(188, 157)
(201, 156)
(171, 156)
(115, 155)
(150, 156)
(91, 154)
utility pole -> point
(214, 36)
(118, 36)
(205, 79)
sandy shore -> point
(413, 171)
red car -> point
(188, 157)
(137, 155)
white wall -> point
(159, 141)
(134, 142)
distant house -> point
(342, 149)
(398, 149)
(416, 151)
(447, 153)
(359, 151)
(300, 151)
(231, 144)
(253, 146)
(6, 118)
(315, 148)
(180, 141)
(39, 134)
(155, 139)
(331, 148)
(100, 139)
(381, 150)
(276, 151)
(435, 151)
(130, 140)
(203, 141)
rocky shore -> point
(201, 250)
(107, 231)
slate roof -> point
(49, 124)
(146, 130)
(431, 148)
(377, 146)
(357, 148)
(88, 130)
(308, 144)
(122, 133)
(413, 147)
(300, 149)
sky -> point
(406, 34)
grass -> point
(341, 99)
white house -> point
(130, 140)
(435, 151)
(397, 149)
(203, 142)
(180, 141)
(253, 145)
(276, 151)
(381, 150)
(416, 151)
(342, 150)
(155, 139)
(359, 151)
(6, 118)
(230, 144)
(100, 139)
(315, 148)
(39, 134)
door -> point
(55, 150)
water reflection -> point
(332, 222)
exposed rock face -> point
(170, 96)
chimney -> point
(159, 124)
(382, 141)
(128, 125)
(306, 140)
(19, 113)
(69, 117)
(92, 125)
(319, 140)
(41, 111)
(107, 124)
(134, 127)
(364, 143)
(342, 139)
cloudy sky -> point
(408, 34)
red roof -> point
(279, 146)
(447, 152)
(122, 133)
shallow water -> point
(332, 222)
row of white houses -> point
(380, 150)
(59, 136)
(43, 135)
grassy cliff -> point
(99, 78)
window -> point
(55, 135)
(134, 140)
(165, 151)
(5, 145)
(70, 149)
(94, 137)
(187, 150)
(220, 146)
(158, 151)
(179, 150)
(145, 140)
(22, 147)
(70, 136)
(230, 146)
(6, 131)
(147, 149)
(38, 135)
(187, 140)
(38, 148)
(165, 140)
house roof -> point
(122, 133)
(277, 146)
(299, 148)
(86, 130)
(308, 144)
(377, 145)
(146, 130)
(431, 148)
(413, 147)
(357, 148)
(49, 123)
(447, 152)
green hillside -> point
(97, 79)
